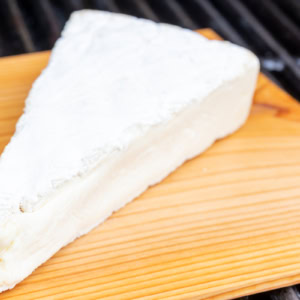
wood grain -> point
(225, 224)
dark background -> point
(270, 28)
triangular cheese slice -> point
(122, 103)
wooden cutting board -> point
(225, 224)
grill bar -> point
(224, 26)
(74, 5)
(292, 7)
(112, 6)
(289, 293)
(99, 4)
(180, 14)
(268, 48)
(286, 26)
(266, 36)
(20, 26)
(145, 9)
(51, 19)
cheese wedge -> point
(122, 103)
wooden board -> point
(225, 224)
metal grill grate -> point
(269, 28)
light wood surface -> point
(225, 224)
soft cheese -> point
(122, 103)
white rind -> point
(109, 80)
(183, 115)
